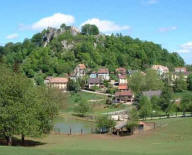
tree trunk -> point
(22, 139)
(9, 140)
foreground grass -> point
(173, 139)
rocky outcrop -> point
(67, 45)
(51, 33)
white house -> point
(103, 74)
(160, 69)
(122, 79)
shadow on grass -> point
(18, 142)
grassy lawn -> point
(97, 103)
(175, 138)
(181, 94)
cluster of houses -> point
(97, 79)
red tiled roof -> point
(103, 71)
(122, 87)
(124, 93)
(81, 66)
(58, 80)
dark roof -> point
(94, 81)
(152, 93)
(124, 93)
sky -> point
(165, 22)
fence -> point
(74, 131)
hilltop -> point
(58, 51)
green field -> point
(97, 103)
(175, 138)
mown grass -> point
(181, 94)
(97, 103)
(175, 138)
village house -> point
(121, 71)
(152, 93)
(93, 75)
(103, 74)
(80, 71)
(122, 79)
(180, 69)
(160, 69)
(94, 82)
(46, 81)
(125, 97)
(57, 82)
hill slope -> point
(57, 51)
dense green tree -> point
(82, 107)
(180, 84)
(145, 105)
(137, 82)
(156, 103)
(166, 97)
(25, 109)
(186, 103)
(104, 123)
(73, 85)
(89, 29)
(153, 81)
(189, 81)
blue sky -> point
(166, 22)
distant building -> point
(160, 69)
(46, 81)
(152, 93)
(122, 79)
(180, 69)
(94, 82)
(93, 75)
(121, 71)
(126, 97)
(103, 74)
(79, 72)
(57, 82)
(176, 75)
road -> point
(92, 92)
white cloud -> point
(53, 21)
(12, 36)
(152, 1)
(186, 48)
(167, 29)
(106, 25)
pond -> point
(64, 125)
